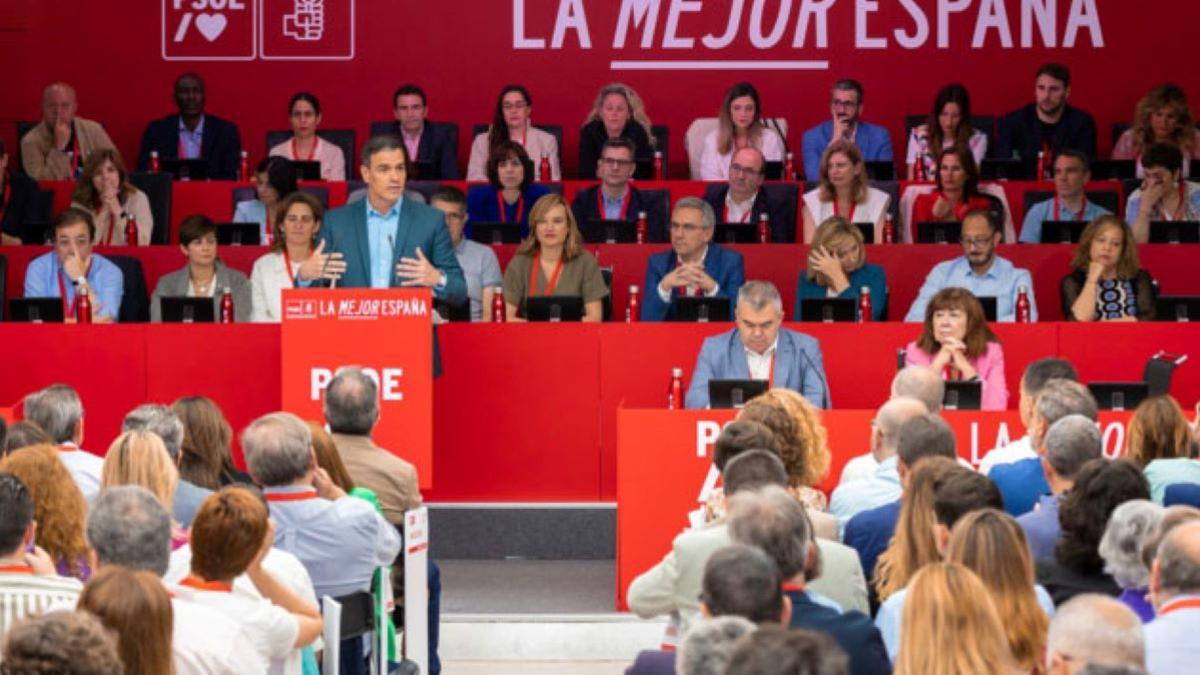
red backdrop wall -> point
(463, 52)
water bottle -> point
(83, 303)
(864, 305)
(660, 171)
(764, 229)
(633, 309)
(227, 305)
(154, 167)
(675, 390)
(498, 315)
(131, 232)
(244, 167)
(1023, 313)
(641, 227)
(544, 170)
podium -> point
(386, 332)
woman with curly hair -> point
(797, 426)
(58, 507)
(1161, 116)
(61, 642)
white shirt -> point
(24, 594)
(760, 364)
(267, 281)
(1013, 452)
(271, 629)
(84, 467)
(859, 468)
(206, 642)
(869, 212)
(738, 212)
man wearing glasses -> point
(742, 201)
(479, 264)
(873, 141)
(978, 270)
(694, 266)
(615, 198)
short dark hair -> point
(924, 436)
(621, 143)
(281, 174)
(17, 506)
(75, 215)
(849, 84)
(1056, 70)
(311, 99)
(448, 194)
(1100, 486)
(739, 436)
(196, 226)
(743, 581)
(1038, 373)
(383, 143)
(190, 74)
(779, 650)
(409, 89)
(753, 469)
(1077, 156)
(989, 216)
(1168, 156)
(962, 492)
(509, 150)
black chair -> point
(657, 204)
(606, 304)
(881, 170)
(892, 187)
(1158, 372)
(242, 194)
(343, 138)
(135, 301)
(554, 129)
(1106, 198)
(157, 187)
(1113, 169)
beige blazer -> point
(43, 161)
(393, 480)
(138, 206)
(537, 143)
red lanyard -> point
(745, 216)
(74, 153)
(311, 153)
(202, 585)
(504, 207)
(112, 225)
(1186, 603)
(1078, 216)
(16, 569)
(791, 586)
(850, 216)
(537, 265)
(287, 268)
(291, 496)
(62, 289)
(624, 203)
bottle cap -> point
(633, 288)
(641, 215)
(865, 290)
(154, 153)
(763, 216)
(245, 154)
(227, 290)
(1021, 289)
(658, 154)
(677, 372)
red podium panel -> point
(388, 333)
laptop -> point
(828, 310)
(1183, 308)
(554, 308)
(36, 310)
(1119, 395)
(496, 233)
(307, 169)
(185, 169)
(1062, 231)
(699, 310)
(597, 231)
(185, 309)
(988, 302)
(239, 234)
(1174, 232)
(963, 395)
(733, 393)
(868, 232)
(939, 232)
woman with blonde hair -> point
(617, 113)
(951, 626)
(838, 268)
(843, 191)
(1159, 440)
(140, 458)
(1161, 116)
(58, 507)
(914, 545)
(135, 605)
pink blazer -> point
(990, 367)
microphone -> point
(392, 247)
(825, 402)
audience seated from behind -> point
(740, 125)
(104, 190)
(140, 458)
(1094, 630)
(18, 201)
(1164, 193)
(948, 125)
(760, 348)
(1069, 443)
(1106, 282)
(304, 114)
(56, 147)
(58, 411)
(1035, 377)
(916, 382)
(204, 275)
(552, 260)
(1049, 124)
(1171, 646)
(773, 649)
(479, 264)
(1130, 528)
(511, 121)
(1072, 172)
(294, 253)
(510, 193)
(58, 507)
(136, 607)
(617, 113)
(1161, 116)
(274, 180)
(957, 342)
(845, 123)
(1159, 440)
(205, 458)
(742, 198)
(881, 486)
(838, 268)
(796, 423)
(163, 422)
(695, 266)
(60, 273)
(192, 133)
(980, 271)
(842, 190)
(616, 197)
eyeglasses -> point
(685, 227)
(614, 163)
(844, 104)
(738, 168)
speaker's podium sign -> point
(386, 332)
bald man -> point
(1093, 629)
(742, 199)
(56, 147)
(1171, 645)
(883, 484)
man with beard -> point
(1047, 125)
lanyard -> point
(202, 585)
(1078, 216)
(745, 216)
(62, 288)
(791, 586)
(849, 216)
(504, 207)
(551, 284)
(311, 153)
(624, 203)
(1182, 203)
(74, 152)
(291, 496)
(287, 268)
(1186, 603)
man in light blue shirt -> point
(883, 486)
(1171, 644)
(873, 141)
(57, 274)
(1071, 174)
(980, 271)
(480, 267)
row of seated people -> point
(153, 534)
(1050, 557)
(54, 148)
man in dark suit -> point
(694, 265)
(432, 142)
(18, 202)
(615, 198)
(1048, 124)
(193, 133)
(774, 521)
(742, 200)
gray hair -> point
(383, 143)
(706, 647)
(128, 526)
(707, 216)
(892, 415)
(922, 383)
(1070, 443)
(1060, 398)
(1179, 561)
(351, 402)
(758, 294)
(159, 420)
(278, 448)
(56, 409)
(1129, 527)
(771, 519)
(1094, 628)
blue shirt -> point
(1001, 281)
(1134, 203)
(192, 141)
(252, 211)
(871, 276)
(872, 140)
(1031, 230)
(612, 207)
(44, 271)
(1021, 483)
(1041, 526)
(381, 238)
(856, 496)
(869, 533)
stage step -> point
(533, 531)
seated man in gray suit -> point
(386, 240)
(760, 349)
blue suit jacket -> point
(1020, 483)
(853, 631)
(585, 208)
(220, 145)
(869, 532)
(874, 141)
(722, 264)
(798, 366)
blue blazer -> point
(438, 146)
(854, 632)
(874, 141)
(798, 366)
(221, 145)
(722, 264)
(345, 231)
(871, 276)
(781, 212)
(482, 207)
(585, 208)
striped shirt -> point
(23, 594)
